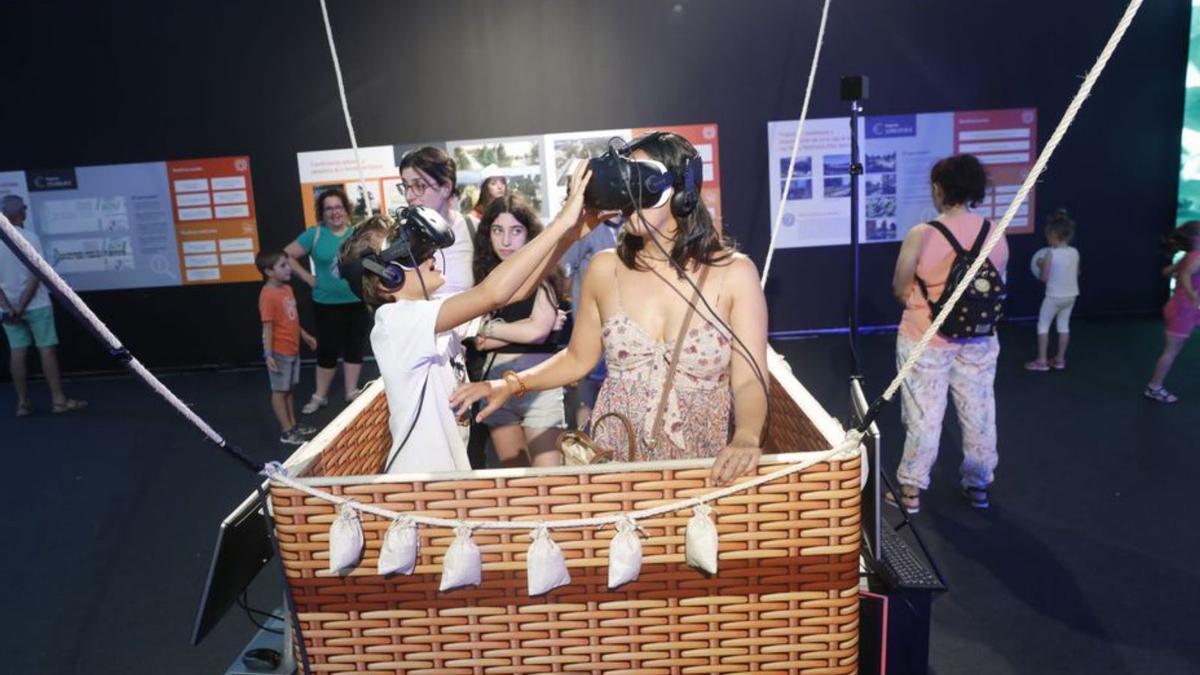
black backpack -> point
(982, 305)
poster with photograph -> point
(897, 153)
(518, 159)
(564, 148)
(535, 166)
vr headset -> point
(620, 183)
(419, 233)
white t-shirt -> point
(457, 259)
(406, 349)
(1063, 278)
(14, 275)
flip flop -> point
(68, 406)
(25, 409)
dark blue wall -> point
(102, 83)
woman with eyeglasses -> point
(341, 318)
(430, 179)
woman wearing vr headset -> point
(418, 333)
(640, 300)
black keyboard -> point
(902, 568)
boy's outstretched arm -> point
(517, 276)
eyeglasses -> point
(417, 188)
(334, 209)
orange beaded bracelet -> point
(513, 377)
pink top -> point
(1179, 295)
(933, 266)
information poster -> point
(143, 225)
(897, 152)
(1189, 149)
(536, 167)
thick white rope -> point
(337, 69)
(1039, 166)
(110, 341)
(845, 450)
(812, 76)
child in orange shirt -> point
(281, 342)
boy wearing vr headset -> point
(418, 334)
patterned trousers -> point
(967, 371)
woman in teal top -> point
(341, 318)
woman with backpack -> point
(961, 358)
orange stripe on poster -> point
(212, 203)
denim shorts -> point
(534, 410)
(288, 374)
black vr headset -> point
(620, 183)
(419, 233)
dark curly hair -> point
(336, 191)
(962, 178)
(1181, 238)
(486, 259)
(697, 240)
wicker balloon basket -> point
(785, 598)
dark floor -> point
(1085, 564)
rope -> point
(337, 70)
(38, 265)
(812, 76)
(1039, 166)
(845, 450)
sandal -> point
(976, 496)
(67, 406)
(1058, 364)
(1159, 394)
(25, 409)
(1037, 366)
(314, 404)
(910, 499)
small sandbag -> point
(400, 546)
(462, 565)
(345, 539)
(702, 540)
(545, 566)
(624, 554)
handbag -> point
(578, 447)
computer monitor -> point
(243, 549)
(872, 516)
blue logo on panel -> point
(891, 126)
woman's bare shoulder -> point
(740, 268)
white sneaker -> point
(314, 404)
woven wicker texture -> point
(790, 429)
(361, 448)
(785, 598)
